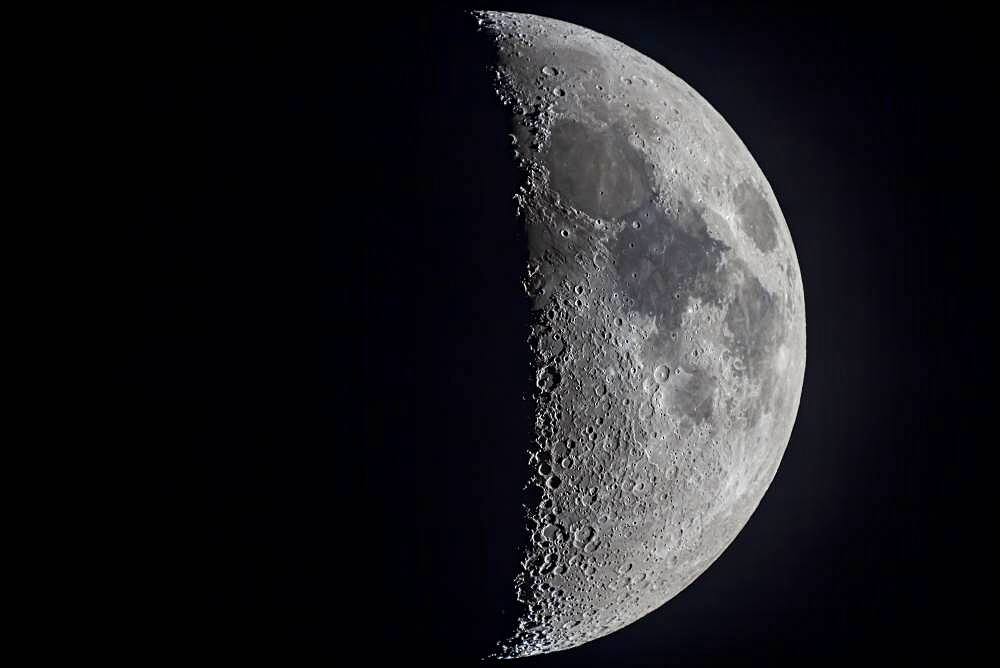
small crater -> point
(661, 373)
(547, 379)
(583, 535)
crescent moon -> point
(668, 329)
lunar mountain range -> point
(668, 329)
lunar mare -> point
(668, 331)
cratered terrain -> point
(668, 329)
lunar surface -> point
(668, 329)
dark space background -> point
(322, 358)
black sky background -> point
(322, 357)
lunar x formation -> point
(668, 329)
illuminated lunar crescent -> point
(668, 329)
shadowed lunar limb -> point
(668, 329)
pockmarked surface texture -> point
(668, 329)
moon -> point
(668, 329)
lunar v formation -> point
(668, 329)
